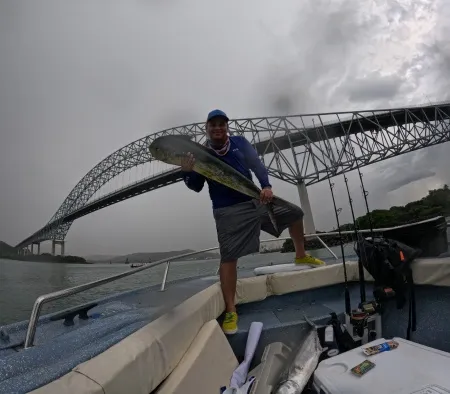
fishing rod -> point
(371, 307)
(348, 308)
(359, 237)
(337, 212)
(365, 194)
(362, 287)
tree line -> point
(436, 203)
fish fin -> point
(187, 137)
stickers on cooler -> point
(382, 347)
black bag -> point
(388, 261)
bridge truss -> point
(299, 149)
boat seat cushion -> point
(426, 271)
(140, 362)
(252, 289)
(289, 282)
(435, 272)
(73, 382)
(201, 370)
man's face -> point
(217, 129)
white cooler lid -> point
(411, 368)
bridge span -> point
(299, 149)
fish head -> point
(169, 149)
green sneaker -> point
(309, 260)
(229, 325)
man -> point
(239, 219)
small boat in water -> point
(151, 340)
(136, 265)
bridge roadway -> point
(377, 121)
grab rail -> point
(43, 299)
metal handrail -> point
(43, 299)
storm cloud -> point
(79, 80)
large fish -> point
(304, 364)
(172, 148)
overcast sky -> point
(80, 79)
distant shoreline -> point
(47, 258)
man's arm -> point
(255, 163)
(193, 180)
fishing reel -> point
(360, 320)
(369, 307)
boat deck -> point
(283, 316)
(59, 348)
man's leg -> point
(228, 278)
(297, 234)
(238, 229)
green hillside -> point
(436, 203)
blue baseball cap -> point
(217, 113)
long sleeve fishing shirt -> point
(243, 158)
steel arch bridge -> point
(299, 149)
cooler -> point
(409, 369)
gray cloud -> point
(395, 184)
(374, 87)
(312, 60)
(80, 80)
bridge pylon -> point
(308, 219)
(38, 247)
(60, 243)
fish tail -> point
(272, 217)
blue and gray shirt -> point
(243, 158)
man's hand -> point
(266, 195)
(187, 162)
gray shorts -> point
(239, 227)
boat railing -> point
(43, 299)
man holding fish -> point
(239, 218)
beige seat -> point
(206, 366)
